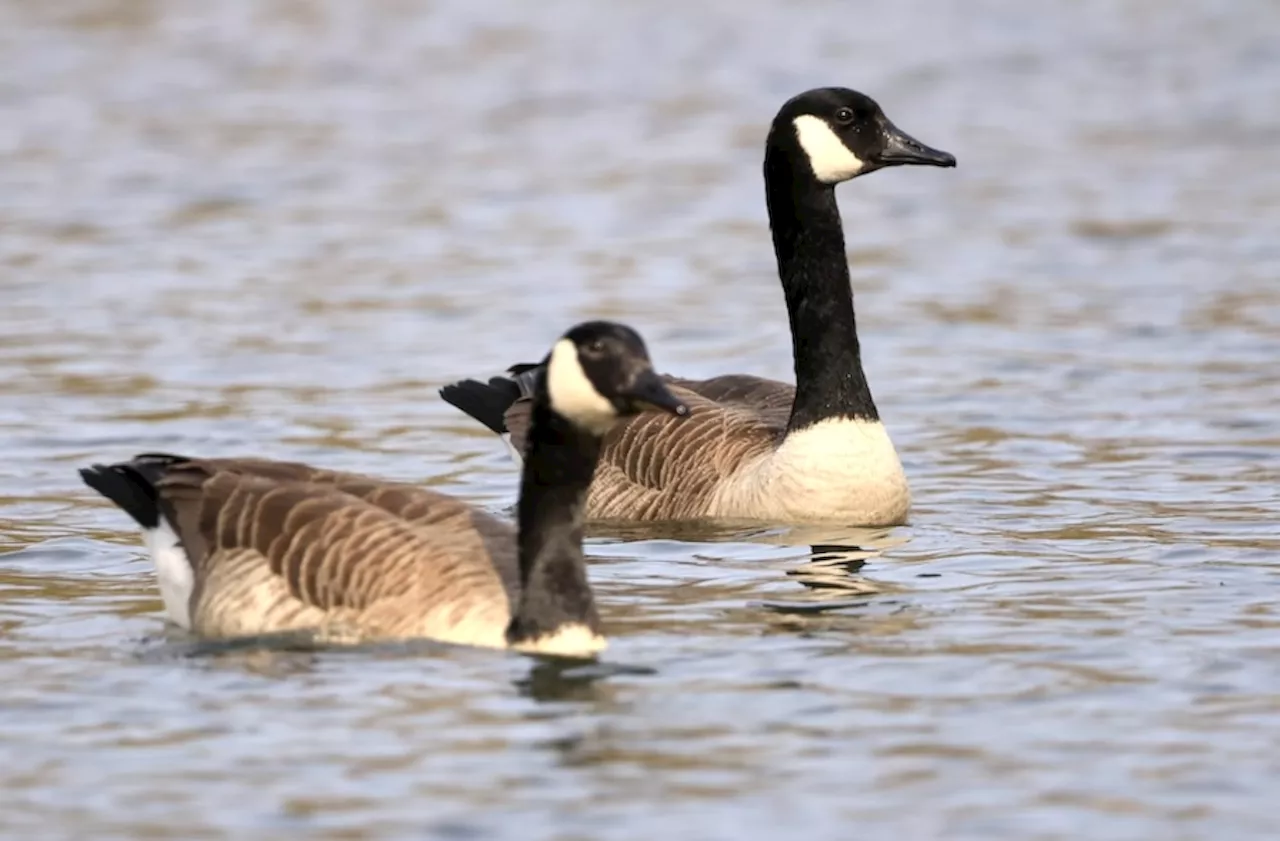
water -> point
(277, 227)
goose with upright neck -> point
(245, 547)
(754, 448)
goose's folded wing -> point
(661, 452)
(655, 466)
(767, 397)
(754, 405)
(407, 501)
(271, 554)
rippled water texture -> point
(277, 227)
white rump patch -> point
(831, 160)
(173, 570)
(569, 640)
(572, 394)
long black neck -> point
(559, 463)
(809, 242)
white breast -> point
(836, 470)
(173, 571)
(570, 640)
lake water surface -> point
(277, 227)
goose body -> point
(253, 546)
(754, 448)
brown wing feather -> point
(274, 553)
(658, 467)
(770, 400)
(755, 393)
(408, 502)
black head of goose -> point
(253, 546)
(754, 448)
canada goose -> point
(251, 546)
(753, 448)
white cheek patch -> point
(572, 394)
(831, 160)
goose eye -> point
(844, 116)
(596, 346)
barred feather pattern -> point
(729, 458)
(654, 467)
(280, 547)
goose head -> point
(599, 372)
(836, 134)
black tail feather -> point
(127, 489)
(131, 484)
(486, 403)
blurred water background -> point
(277, 227)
